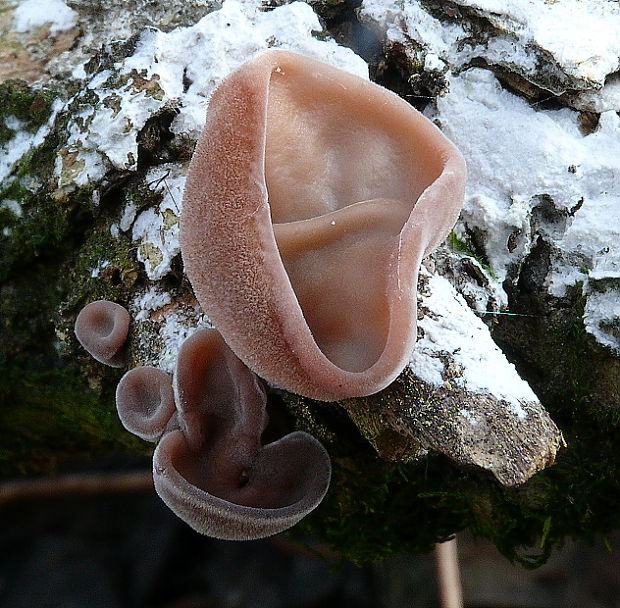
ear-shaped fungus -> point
(212, 471)
(311, 199)
(101, 328)
(145, 402)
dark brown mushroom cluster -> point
(210, 466)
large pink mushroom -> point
(311, 199)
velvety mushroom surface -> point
(101, 328)
(213, 470)
(311, 199)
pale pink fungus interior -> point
(337, 230)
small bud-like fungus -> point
(145, 402)
(101, 328)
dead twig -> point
(75, 485)
(448, 575)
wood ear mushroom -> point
(213, 471)
(210, 465)
(311, 199)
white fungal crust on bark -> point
(538, 173)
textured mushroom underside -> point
(311, 199)
(211, 468)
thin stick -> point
(448, 575)
(75, 485)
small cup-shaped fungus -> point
(101, 328)
(145, 402)
(311, 199)
(213, 471)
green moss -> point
(143, 196)
(51, 415)
(48, 410)
(461, 246)
(575, 351)
(584, 486)
(6, 133)
(375, 510)
(31, 107)
(42, 228)
(322, 34)
(45, 221)
(578, 496)
(111, 281)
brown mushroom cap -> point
(212, 470)
(311, 199)
(145, 402)
(101, 328)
